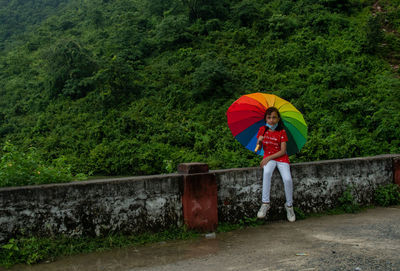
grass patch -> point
(243, 223)
(34, 250)
(299, 213)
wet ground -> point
(369, 240)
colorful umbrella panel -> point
(246, 116)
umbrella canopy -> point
(246, 115)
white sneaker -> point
(290, 213)
(263, 210)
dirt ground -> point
(369, 240)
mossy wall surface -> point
(138, 204)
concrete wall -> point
(96, 207)
(317, 186)
(137, 204)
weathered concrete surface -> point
(367, 241)
(136, 204)
(92, 207)
(317, 186)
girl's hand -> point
(275, 155)
(264, 161)
(259, 144)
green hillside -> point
(19, 16)
(133, 87)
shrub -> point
(69, 67)
(299, 213)
(347, 202)
(387, 195)
(26, 168)
(281, 26)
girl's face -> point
(272, 119)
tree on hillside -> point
(69, 68)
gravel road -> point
(369, 240)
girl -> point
(273, 139)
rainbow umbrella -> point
(246, 115)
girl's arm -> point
(275, 155)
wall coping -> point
(94, 182)
(178, 175)
(321, 162)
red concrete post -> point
(396, 170)
(199, 200)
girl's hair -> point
(269, 112)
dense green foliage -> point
(135, 87)
(19, 168)
(347, 202)
(388, 195)
(17, 16)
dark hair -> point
(269, 112)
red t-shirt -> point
(272, 142)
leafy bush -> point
(26, 168)
(337, 5)
(374, 35)
(246, 12)
(69, 70)
(281, 26)
(387, 195)
(210, 79)
(347, 202)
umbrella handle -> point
(258, 147)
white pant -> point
(284, 170)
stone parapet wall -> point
(138, 204)
(98, 207)
(317, 186)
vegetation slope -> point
(133, 87)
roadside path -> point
(369, 240)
